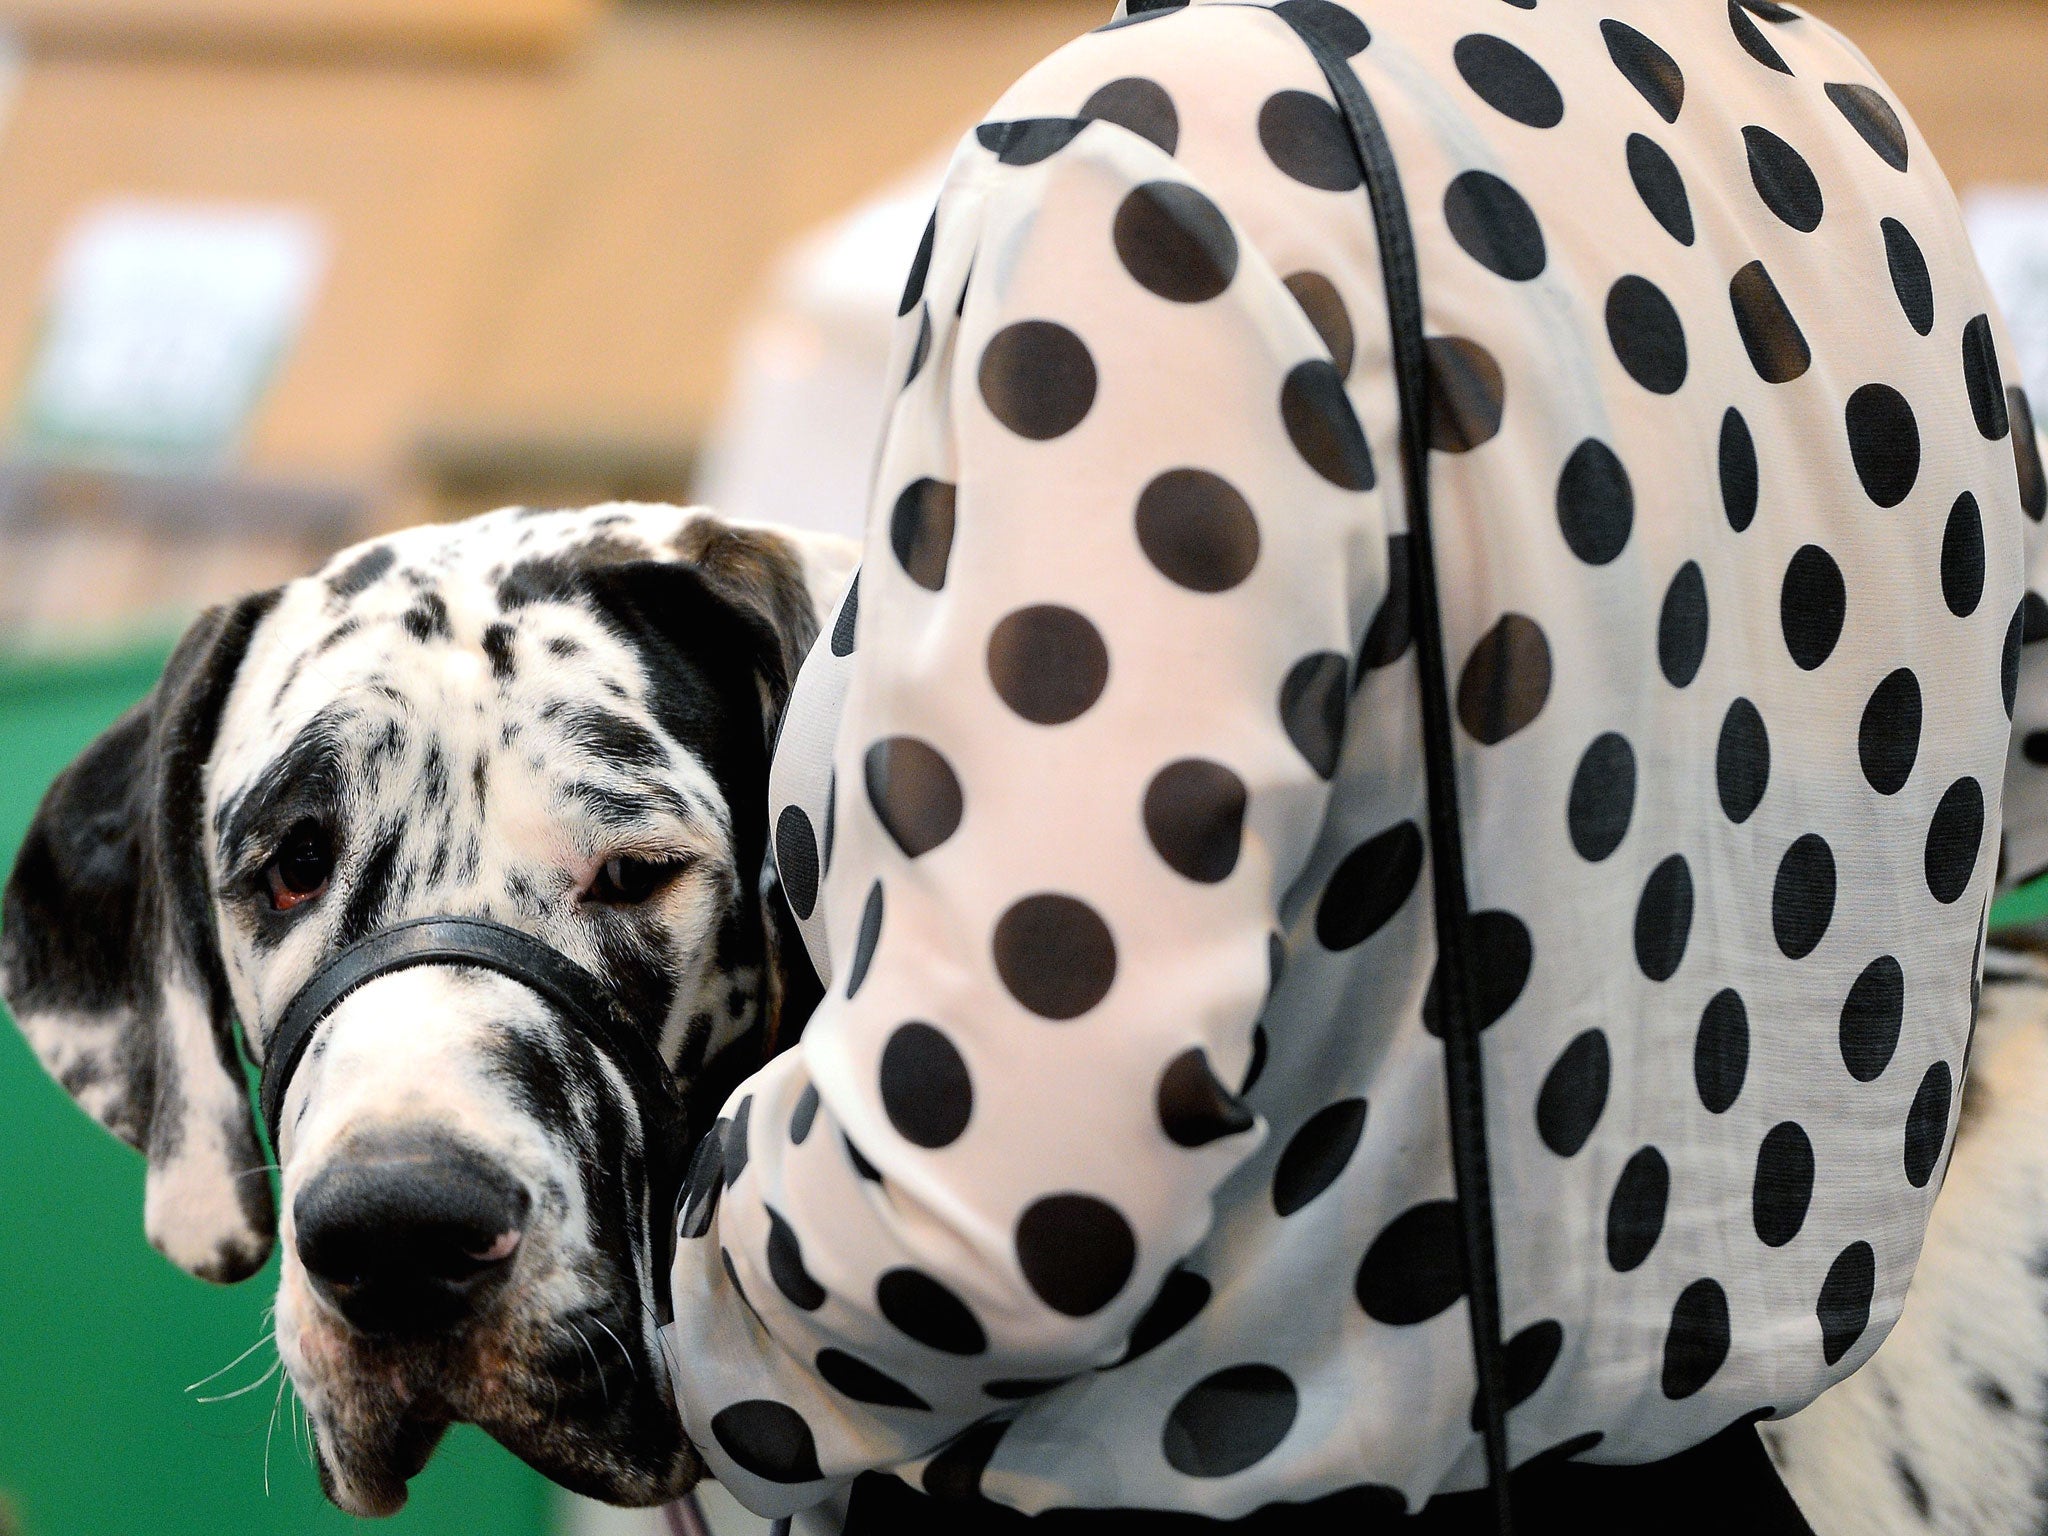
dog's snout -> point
(407, 1236)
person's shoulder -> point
(1140, 69)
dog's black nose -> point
(406, 1236)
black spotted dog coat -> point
(1114, 1170)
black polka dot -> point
(920, 267)
(922, 350)
(1317, 1154)
(1028, 140)
(1370, 885)
(1179, 1302)
(768, 1439)
(1056, 955)
(1324, 306)
(1306, 138)
(1777, 347)
(1844, 1305)
(1048, 663)
(915, 793)
(2009, 657)
(1754, 43)
(1803, 899)
(1696, 1343)
(1742, 761)
(1682, 626)
(1175, 242)
(860, 1381)
(921, 531)
(1811, 606)
(865, 940)
(849, 614)
(786, 1266)
(1603, 797)
(1229, 1421)
(1324, 428)
(1415, 1268)
(736, 1142)
(1198, 530)
(1502, 955)
(1927, 1124)
(1955, 837)
(1664, 919)
(1872, 117)
(1494, 226)
(1889, 739)
(2026, 452)
(1720, 1052)
(1784, 1184)
(1962, 557)
(1194, 1107)
(1508, 80)
(1983, 380)
(1037, 379)
(1648, 338)
(1335, 25)
(1884, 440)
(703, 1185)
(1076, 1251)
(1661, 187)
(796, 859)
(925, 1086)
(1143, 106)
(804, 1115)
(1648, 68)
(861, 1165)
(1635, 1213)
(1194, 815)
(1528, 1357)
(1313, 700)
(1739, 479)
(1784, 180)
(1506, 680)
(1910, 280)
(1467, 394)
(1596, 505)
(1872, 1016)
(1391, 632)
(1574, 1094)
(920, 1308)
(954, 1475)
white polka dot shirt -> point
(1114, 1170)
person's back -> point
(1732, 511)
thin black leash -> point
(1457, 965)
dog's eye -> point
(627, 882)
(302, 866)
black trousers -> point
(1726, 1487)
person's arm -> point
(2023, 852)
(1124, 542)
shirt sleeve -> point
(2024, 849)
(1125, 536)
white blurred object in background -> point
(2009, 227)
(796, 440)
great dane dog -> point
(561, 722)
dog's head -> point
(560, 723)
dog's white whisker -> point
(270, 1432)
(624, 1353)
(262, 1340)
(222, 1397)
(603, 1384)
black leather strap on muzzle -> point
(542, 970)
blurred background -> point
(279, 274)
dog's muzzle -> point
(541, 969)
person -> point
(1127, 1166)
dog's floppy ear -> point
(761, 576)
(109, 960)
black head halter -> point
(541, 969)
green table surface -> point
(99, 1337)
